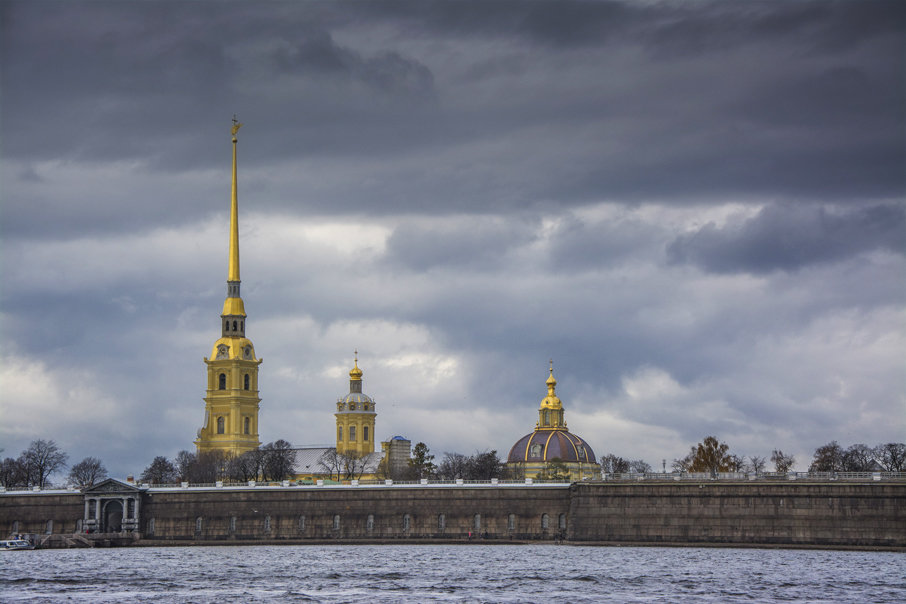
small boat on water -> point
(12, 544)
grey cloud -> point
(790, 237)
(476, 243)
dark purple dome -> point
(545, 445)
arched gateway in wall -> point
(112, 507)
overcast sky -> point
(697, 210)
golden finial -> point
(551, 381)
(236, 127)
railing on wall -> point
(624, 477)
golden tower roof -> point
(355, 374)
(551, 401)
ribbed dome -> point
(545, 445)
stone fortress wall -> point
(827, 514)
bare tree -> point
(331, 462)
(353, 465)
(683, 464)
(161, 471)
(453, 466)
(858, 458)
(639, 467)
(828, 458)
(757, 464)
(88, 472)
(244, 467)
(892, 456)
(782, 463)
(279, 460)
(12, 474)
(613, 464)
(185, 462)
(41, 459)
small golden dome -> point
(355, 373)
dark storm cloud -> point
(555, 87)
(785, 237)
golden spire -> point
(233, 305)
(355, 375)
(234, 214)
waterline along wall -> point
(830, 514)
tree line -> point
(713, 456)
(40, 460)
(276, 462)
(273, 461)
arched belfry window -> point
(235, 324)
(547, 417)
(221, 383)
(246, 381)
(220, 425)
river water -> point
(450, 573)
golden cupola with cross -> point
(355, 418)
(231, 404)
(551, 451)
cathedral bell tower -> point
(231, 404)
(355, 418)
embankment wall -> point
(791, 513)
(759, 513)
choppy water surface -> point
(438, 573)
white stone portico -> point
(112, 506)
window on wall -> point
(545, 521)
(476, 522)
(198, 524)
(301, 524)
(369, 524)
(351, 433)
(49, 528)
(441, 522)
(232, 524)
(407, 519)
(151, 526)
(336, 522)
(267, 524)
(221, 382)
(340, 433)
(246, 381)
(247, 425)
(220, 425)
(561, 521)
(511, 522)
(547, 417)
(365, 434)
